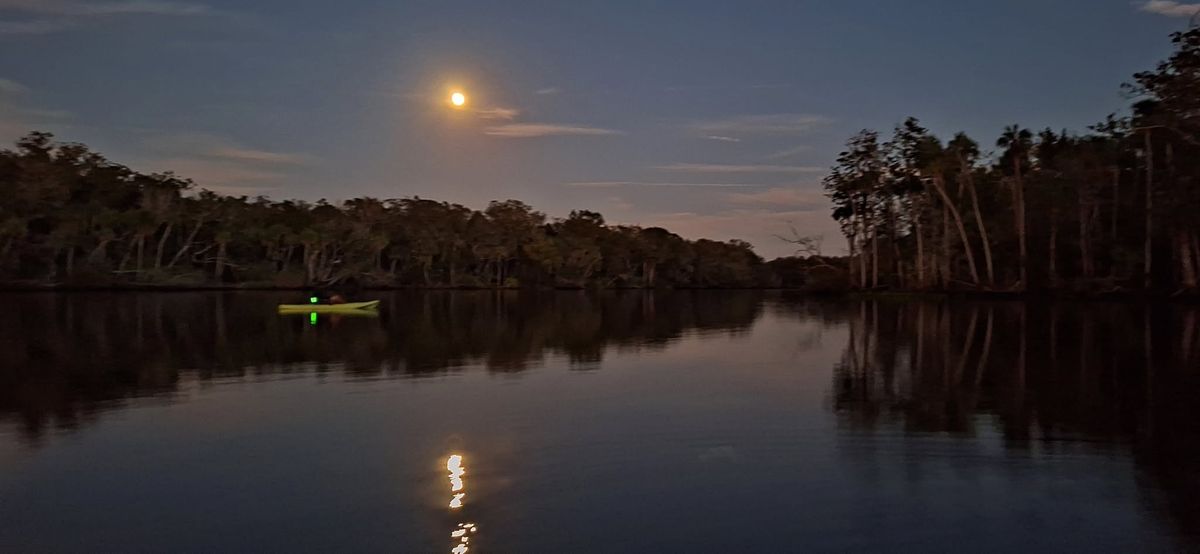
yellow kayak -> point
(329, 308)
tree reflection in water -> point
(68, 358)
(1041, 375)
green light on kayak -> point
(312, 318)
(312, 300)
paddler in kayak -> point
(326, 297)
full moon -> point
(458, 99)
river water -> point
(607, 422)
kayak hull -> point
(329, 308)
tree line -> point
(1110, 209)
(70, 216)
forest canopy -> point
(71, 216)
(1114, 208)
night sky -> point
(713, 119)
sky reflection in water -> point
(614, 422)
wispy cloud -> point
(548, 90)
(621, 203)
(727, 86)
(732, 168)
(217, 173)
(721, 138)
(784, 197)
(17, 117)
(613, 184)
(772, 124)
(256, 156)
(86, 9)
(218, 148)
(39, 113)
(37, 17)
(8, 86)
(34, 27)
(787, 153)
(533, 130)
(506, 114)
(221, 164)
(1170, 8)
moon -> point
(458, 99)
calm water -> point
(569, 422)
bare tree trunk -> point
(141, 250)
(1018, 194)
(893, 232)
(99, 253)
(944, 255)
(1148, 255)
(983, 236)
(70, 260)
(939, 184)
(862, 262)
(874, 257)
(162, 244)
(1187, 270)
(308, 263)
(920, 254)
(857, 220)
(219, 270)
(187, 244)
(125, 259)
(852, 241)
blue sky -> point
(713, 119)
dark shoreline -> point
(1121, 295)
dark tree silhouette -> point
(1040, 207)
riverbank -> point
(1188, 297)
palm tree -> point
(939, 162)
(966, 151)
(1017, 143)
